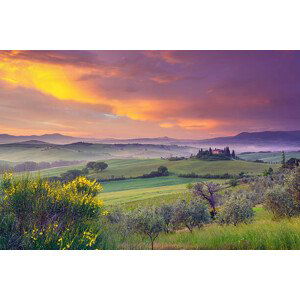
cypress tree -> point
(233, 154)
(283, 162)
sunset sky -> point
(123, 94)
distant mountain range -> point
(54, 138)
(271, 140)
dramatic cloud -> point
(189, 94)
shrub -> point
(161, 171)
(236, 209)
(51, 215)
(70, 175)
(233, 182)
(190, 214)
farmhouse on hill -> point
(216, 154)
(217, 151)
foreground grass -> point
(264, 233)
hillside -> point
(273, 157)
(40, 151)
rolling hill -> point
(41, 151)
(245, 141)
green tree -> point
(283, 162)
(163, 170)
(237, 209)
(207, 191)
(147, 222)
(90, 165)
(190, 214)
(233, 154)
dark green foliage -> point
(211, 176)
(233, 182)
(292, 163)
(233, 154)
(71, 175)
(97, 166)
(283, 159)
(216, 154)
(161, 171)
(268, 172)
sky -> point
(130, 94)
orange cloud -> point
(195, 124)
(53, 80)
(62, 82)
(167, 125)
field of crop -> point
(141, 183)
(150, 191)
(272, 157)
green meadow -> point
(138, 167)
(145, 189)
(263, 233)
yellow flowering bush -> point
(53, 215)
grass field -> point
(274, 157)
(143, 196)
(160, 189)
(141, 183)
(137, 167)
(263, 233)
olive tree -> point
(280, 202)
(166, 211)
(190, 214)
(208, 191)
(147, 222)
(236, 209)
